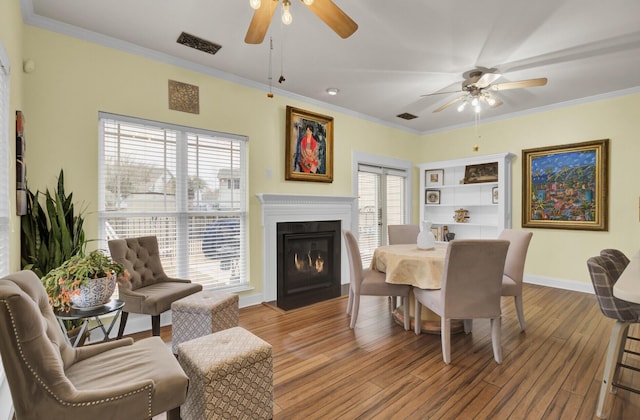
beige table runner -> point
(406, 264)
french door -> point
(382, 201)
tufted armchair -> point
(49, 379)
(149, 290)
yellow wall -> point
(11, 38)
(74, 80)
(562, 254)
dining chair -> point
(604, 272)
(149, 290)
(618, 256)
(49, 379)
(471, 285)
(514, 267)
(369, 282)
(403, 234)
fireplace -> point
(308, 262)
(279, 208)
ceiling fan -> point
(326, 10)
(477, 87)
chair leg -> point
(123, 322)
(155, 325)
(520, 311)
(445, 337)
(354, 311)
(618, 337)
(407, 315)
(173, 414)
(350, 302)
(417, 316)
(468, 325)
(496, 337)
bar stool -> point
(605, 271)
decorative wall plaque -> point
(184, 97)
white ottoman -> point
(201, 314)
(230, 376)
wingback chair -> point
(49, 379)
(149, 290)
(514, 268)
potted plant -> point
(83, 281)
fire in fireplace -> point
(308, 262)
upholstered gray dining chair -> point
(149, 290)
(514, 268)
(49, 379)
(369, 282)
(471, 288)
(604, 271)
(403, 234)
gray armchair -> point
(49, 379)
(149, 290)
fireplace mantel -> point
(277, 208)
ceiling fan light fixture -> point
(491, 101)
(255, 4)
(286, 14)
(477, 109)
(462, 106)
(308, 2)
(333, 91)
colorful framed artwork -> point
(566, 186)
(309, 146)
(434, 178)
(485, 172)
(432, 197)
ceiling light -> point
(491, 101)
(286, 14)
(462, 106)
(255, 4)
(308, 2)
(477, 109)
(474, 101)
(332, 91)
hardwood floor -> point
(323, 369)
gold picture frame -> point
(485, 172)
(566, 186)
(309, 146)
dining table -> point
(627, 287)
(422, 268)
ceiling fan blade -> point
(260, 22)
(519, 84)
(486, 79)
(448, 104)
(334, 17)
(441, 93)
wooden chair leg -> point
(123, 323)
(618, 337)
(496, 338)
(520, 311)
(173, 414)
(155, 325)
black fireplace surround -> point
(308, 266)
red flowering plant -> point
(66, 280)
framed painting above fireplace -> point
(309, 146)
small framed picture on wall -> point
(432, 197)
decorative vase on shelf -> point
(426, 240)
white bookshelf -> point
(486, 217)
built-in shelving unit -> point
(488, 203)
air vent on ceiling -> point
(406, 116)
(198, 43)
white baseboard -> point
(576, 286)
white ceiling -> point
(401, 50)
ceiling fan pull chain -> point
(270, 77)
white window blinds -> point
(185, 186)
(4, 163)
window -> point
(383, 199)
(4, 157)
(6, 407)
(186, 186)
